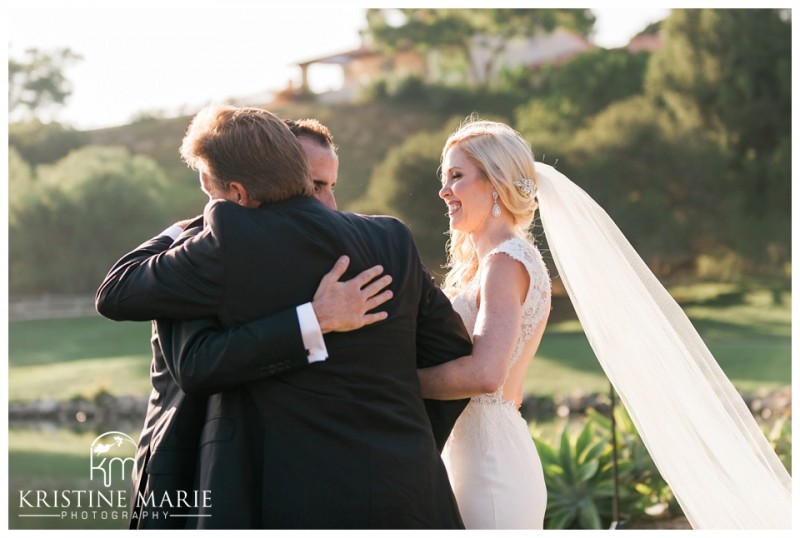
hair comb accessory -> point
(524, 185)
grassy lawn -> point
(68, 357)
(749, 333)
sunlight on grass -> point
(748, 332)
(702, 291)
(565, 327)
(747, 329)
(59, 340)
(61, 441)
(549, 376)
(741, 321)
(63, 380)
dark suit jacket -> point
(341, 444)
(192, 359)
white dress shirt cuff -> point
(172, 232)
(312, 334)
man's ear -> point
(240, 195)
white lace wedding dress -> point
(490, 457)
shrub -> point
(579, 475)
(652, 496)
(44, 143)
(779, 435)
(80, 215)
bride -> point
(499, 285)
(696, 427)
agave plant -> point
(579, 480)
(654, 497)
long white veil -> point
(698, 430)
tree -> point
(37, 85)
(729, 70)
(79, 216)
(591, 81)
(663, 184)
(21, 184)
(463, 31)
(44, 143)
(406, 186)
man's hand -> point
(343, 306)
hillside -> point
(363, 134)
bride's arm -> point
(497, 328)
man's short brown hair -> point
(251, 146)
(312, 129)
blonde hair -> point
(502, 157)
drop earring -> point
(496, 206)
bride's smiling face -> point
(467, 194)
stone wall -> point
(765, 405)
(108, 409)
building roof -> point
(341, 58)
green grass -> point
(69, 357)
(748, 331)
(121, 375)
(89, 338)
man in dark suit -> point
(344, 443)
(168, 443)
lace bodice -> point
(533, 308)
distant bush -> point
(68, 226)
(406, 186)
(44, 143)
(444, 98)
(595, 79)
(667, 187)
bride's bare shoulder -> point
(505, 276)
